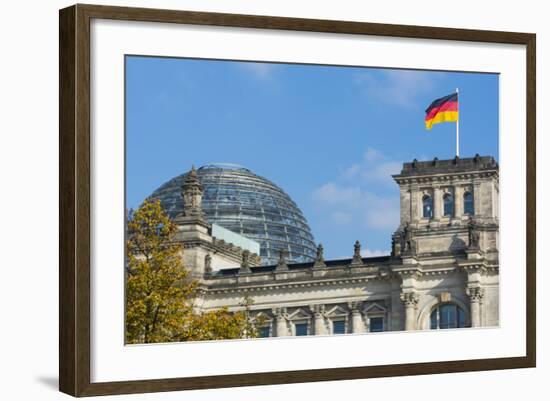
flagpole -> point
(457, 119)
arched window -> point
(468, 203)
(448, 205)
(447, 316)
(427, 207)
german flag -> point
(442, 110)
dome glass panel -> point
(250, 205)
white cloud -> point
(333, 194)
(350, 198)
(397, 87)
(375, 167)
(361, 206)
(370, 253)
(340, 217)
(382, 172)
(372, 155)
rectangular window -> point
(301, 329)
(339, 327)
(264, 332)
(376, 324)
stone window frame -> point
(423, 193)
(297, 317)
(448, 192)
(426, 308)
(338, 313)
(269, 320)
(447, 303)
(375, 310)
(468, 190)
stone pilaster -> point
(281, 325)
(459, 200)
(319, 324)
(357, 323)
(410, 302)
(437, 202)
(476, 296)
(477, 199)
(416, 203)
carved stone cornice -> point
(406, 273)
(472, 268)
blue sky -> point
(329, 136)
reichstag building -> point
(243, 236)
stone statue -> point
(320, 258)
(245, 262)
(281, 265)
(208, 263)
(246, 256)
(357, 259)
(473, 235)
(407, 238)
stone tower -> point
(448, 206)
(448, 235)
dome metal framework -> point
(250, 205)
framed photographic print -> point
(250, 200)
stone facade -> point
(443, 270)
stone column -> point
(281, 327)
(319, 320)
(416, 203)
(477, 199)
(459, 201)
(437, 202)
(410, 301)
(405, 202)
(357, 323)
(476, 296)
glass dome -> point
(250, 205)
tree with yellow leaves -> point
(160, 292)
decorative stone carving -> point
(357, 259)
(320, 259)
(476, 294)
(445, 297)
(409, 299)
(192, 195)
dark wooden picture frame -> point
(74, 203)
